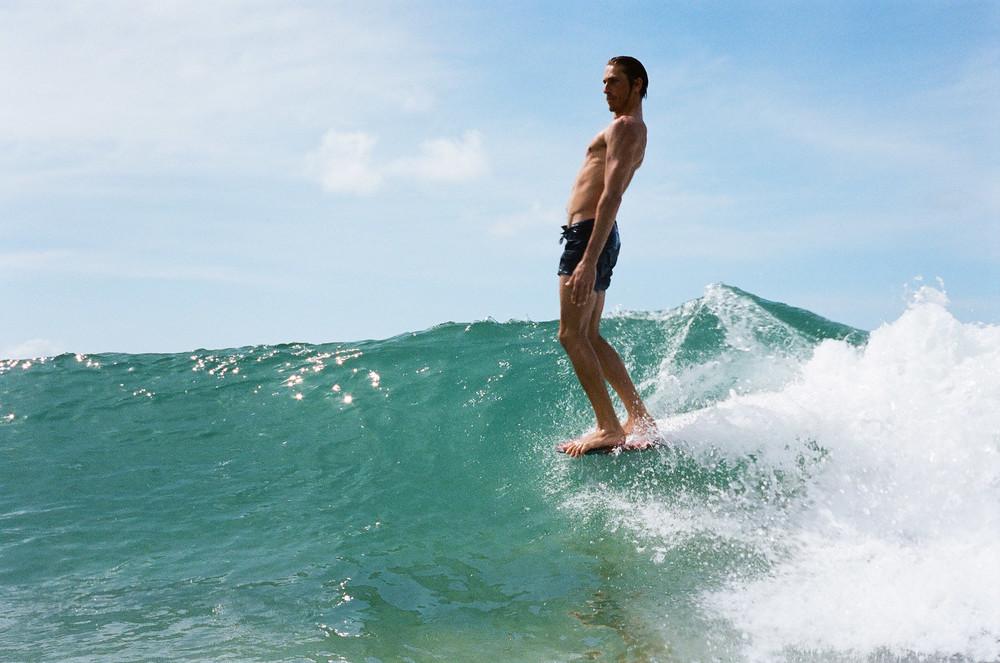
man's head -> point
(625, 83)
(634, 72)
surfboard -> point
(621, 448)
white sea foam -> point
(891, 540)
(753, 350)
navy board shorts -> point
(576, 237)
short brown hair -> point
(633, 69)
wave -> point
(828, 494)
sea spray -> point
(897, 546)
(870, 502)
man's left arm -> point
(624, 141)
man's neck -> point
(635, 112)
(631, 110)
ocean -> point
(827, 494)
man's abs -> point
(586, 192)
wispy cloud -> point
(344, 163)
(891, 168)
(184, 84)
(445, 160)
(32, 348)
(33, 260)
(536, 216)
(132, 266)
(729, 242)
(865, 139)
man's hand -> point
(581, 283)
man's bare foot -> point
(641, 433)
(598, 439)
(641, 426)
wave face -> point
(829, 495)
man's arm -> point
(624, 141)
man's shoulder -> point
(626, 124)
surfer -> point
(592, 244)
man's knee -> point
(570, 337)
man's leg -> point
(574, 323)
(613, 368)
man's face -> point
(616, 88)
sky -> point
(180, 175)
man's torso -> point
(589, 183)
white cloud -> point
(535, 216)
(30, 349)
(417, 101)
(445, 159)
(342, 164)
(33, 260)
(109, 87)
(126, 266)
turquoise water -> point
(828, 495)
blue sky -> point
(186, 174)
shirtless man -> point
(592, 244)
